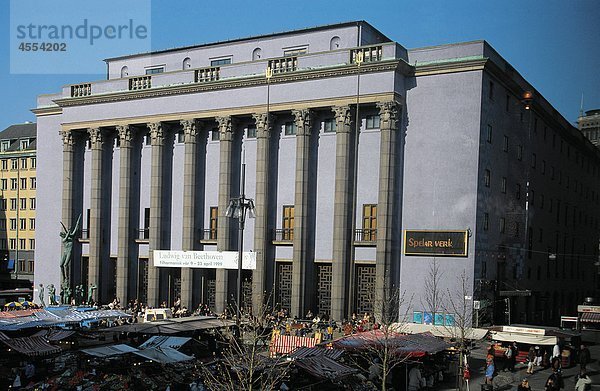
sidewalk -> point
(537, 381)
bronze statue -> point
(91, 290)
(67, 240)
(41, 296)
(52, 294)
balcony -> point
(80, 90)
(207, 74)
(285, 64)
(208, 236)
(140, 83)
(143, 235)
(283, 236)
(365, 237)
(369, 54)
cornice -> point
(258, 80)
(451, 67)
(43, 111)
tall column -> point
(225, 184)
(125, 230)
(301, 256)
(95, 247)
(389, 115)
(264, 123)
(156, 208)
(342, 213)
(67, 187)
(189, 236)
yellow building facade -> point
(18, 184)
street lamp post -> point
(239, 208)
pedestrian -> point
(530, 359)
(490, 368)
(583, 382)
(538, 356)
(556, 351)
(524, 386)
(414, 379)
(508, 356)
(584, 358)
(552, 383)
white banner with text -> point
(204, 259)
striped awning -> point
(591, 317)
(31, 346)
(284, 344)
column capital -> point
(226, 125)
(343, 118)
(156, 133)
(303, 118)
(67, 139)
(96, 137)
(124, 132)
(190, 130)
(264, 124)
(389, 114)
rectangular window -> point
(14, 183)
(486, 221)
(215, 135)
(13, 224)
(486, 178)
(32, 183)
(503, 186)
(329, 125)
(220, 61)
(154, 70)
(214, 222)
(489, 134)
(502, 225)
(22, 244)
(32, 203)
(14, 164)
(2, 224)
(290, 128)
(13, 204)
(33, 162)
(295, 52)
(288, 222)
(3, 202)
(22, 224)
(372, 122)
(4, 164)
(13, 244)
(146, 232)
(369, 223)
(23, 183)
(3, 244)
(505, 145)
(32, 244)
(251, 132)
(23, 202)
(4, 146)
(24, 162)
(4, 185)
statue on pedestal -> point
(67, 235)
(41, 296)
(91, 290)
(52, 294)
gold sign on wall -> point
(438, 243)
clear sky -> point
(554, 44)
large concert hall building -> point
(456, 160)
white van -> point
(153, 314)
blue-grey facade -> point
(151, 156)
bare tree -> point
(383, 343)
(245, 363)
(433, 294)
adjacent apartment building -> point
(18, 201)
(370, 165)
